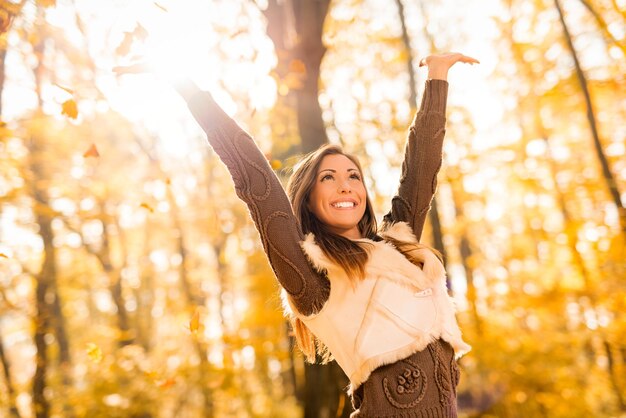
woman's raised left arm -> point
(423, 153)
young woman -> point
(373, 299)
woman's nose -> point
(344, 187)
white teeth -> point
(344, 204)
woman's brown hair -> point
(349, 255)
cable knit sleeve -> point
(422, 160)
(270, 209)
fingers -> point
(449, 59)
(469, 60)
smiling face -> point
(338, 197)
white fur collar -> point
(399, 231)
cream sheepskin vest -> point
(397, 310)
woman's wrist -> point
(185, 87)
(438, 73)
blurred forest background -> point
(133, 284)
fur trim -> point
(400, 231)
(314, 253)
(390, 260)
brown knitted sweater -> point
(424, 384)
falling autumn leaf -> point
(92, 152)
(94, 352)
(276, 164)
(47, 3)
(152, 375)
(3, 255)
(124, 47)
(70, 91)
(70, 109)
(140, 33)
(239, 32)
(147, 206)
(160, 7)
(5, 20)
(167, 383)
(194, 323)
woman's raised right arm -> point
(257, 185)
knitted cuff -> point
(435, 96)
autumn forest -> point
(133, 282)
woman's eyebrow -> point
(334, 171)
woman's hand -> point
(439, 64)
(185, 87)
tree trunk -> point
(42, 317)
(3, 358)
(3, 54)
(295, 27)
(49, 312)
(433, 214)
(115, 283)
(194, 301)
(466, 255)
(309, 21)
(606, 171)
(8, 381)
(613, 376)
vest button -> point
(422, 293)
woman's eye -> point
(355, 176)
(327, 176)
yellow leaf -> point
(47, 3)
(167, 383)
(152, 375)
(276, 164)
(194, 323)
(92, 152)
(94, 352)
(3, 255)
(147, 206)
(70, 109)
